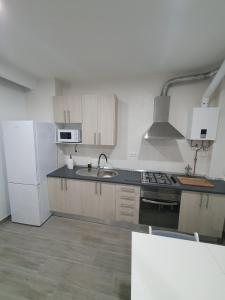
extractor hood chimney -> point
(161, 128)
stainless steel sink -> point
(107, 173)
(102, 173)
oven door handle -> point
(160, 203)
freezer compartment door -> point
(20, 152)
(25, 204)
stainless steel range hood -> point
(161, 128)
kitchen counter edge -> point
(134, 178)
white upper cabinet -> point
(59, 109)
(107, 121)
(90, 119)
(99, 120)
(67, 109)
(74, 108)
(96, 113)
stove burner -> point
(158, 178)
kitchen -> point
(111, 113)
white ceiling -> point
(111, 39)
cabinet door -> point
(90, 199)
(56, 194)
(59, 109)
(212, 215)
(74, 110)
(190, 207)
(106, 121)
(107, 193)
(127, 203)
(90, 119)
(73, 199)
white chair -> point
(174, 234)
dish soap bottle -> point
(69, 162)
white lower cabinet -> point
(65, 195)
(201, 212)
(104, 201)
(127, 203)
(98, 200)
(56, 194)
(73, 197)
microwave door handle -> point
(160, 203)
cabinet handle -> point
(127, 190)
(64, 116)
(96, 191)
(61, 184)
(100, 188)
(95, 138)
(207, 203)
(126, 206)
(68, 114)
(99, 138)
(127, 198)
(127, 214)
(65, 184)
(201, 201)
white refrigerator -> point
(30, 153)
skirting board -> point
(5, 219)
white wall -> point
(9, 72)
(218, 155)
(12, 107)
(135, 115)
(40, 101)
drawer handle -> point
(127, 214)
(127, 198)
(128, 190)
(126, 206)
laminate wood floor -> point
(65, 259)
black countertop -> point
(134, 178)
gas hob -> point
(157, 178)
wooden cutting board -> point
(195, 181)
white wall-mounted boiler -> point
(202, 123)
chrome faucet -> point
(99, 159)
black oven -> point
(160, 207)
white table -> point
(167, 268)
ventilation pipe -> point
(213, 85)
(186, 79)
(161, 128)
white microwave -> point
(69, 136)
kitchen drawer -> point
(128, 189)
(127, 210)
(127, 203)
(127, 215)
(128, 193)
